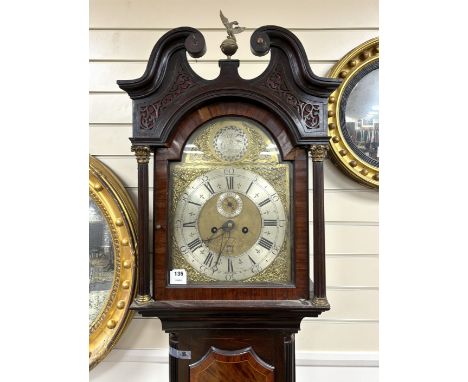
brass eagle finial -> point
(229, 45)
(231, 27)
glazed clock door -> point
(230, 207)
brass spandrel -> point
(280, 269)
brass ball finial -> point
(228, 47)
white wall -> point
(342, 344)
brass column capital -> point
(142, 153)
(318, 152)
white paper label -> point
(178, 276)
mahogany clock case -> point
(224, 324)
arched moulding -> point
(112, 259)
(354, 135)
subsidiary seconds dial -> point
(230, 224)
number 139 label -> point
(178, 276)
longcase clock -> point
(230, 270)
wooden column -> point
(173, 361)
(143, 289)
(290, 358)
(318, 153)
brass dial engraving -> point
(234, 235)
(230, 143)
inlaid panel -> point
(231, 366)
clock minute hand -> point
(227, 227)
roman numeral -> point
(230, 266)
(266, 201)
(252, 260)
(265, 243)
(199, 205)
(230, 182)
(189, 224)
(248, 189)
(270, 223)
(209, 187)
(194, 245)
(209, 259)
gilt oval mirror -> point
(112, 259)
(101, 261)
(353, 112)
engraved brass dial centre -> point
(229, 238)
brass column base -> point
(321, 302)
(143, 299)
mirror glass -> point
(101, 261)
(362, 116)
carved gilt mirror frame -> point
(112, 259)
(353, 114)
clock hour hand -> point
(221, 248)
(226, 227)
(214, 231)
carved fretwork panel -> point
(309, 110)
(152, 113)
(231, 366)
(149, 114)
